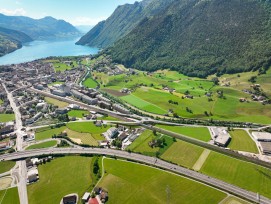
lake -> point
(42, 49)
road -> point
(19, 146)
(144, 159)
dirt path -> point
(199, 163)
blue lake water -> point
(42, 49)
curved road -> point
(144, 159)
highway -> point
(144, 159)
(19, 146)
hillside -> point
(201, 37)
(16, 35)
(124, 19)
(8, 45)
(37, 29)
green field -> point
(6, 166)
(77, 134)
(200, 133)
(46, 133)
(234, 200)
(143, 105)
(60, 177)
(88, 127)
(42, 145)
(242, 141)
(61, 67)
(77, 113)
(148, 95)
(243, 174)
(132, 183)
(6, 117)
(183, 154)
(60, 104)
(141, 144)
(9, 196)
(90, 83)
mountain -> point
(11, 40)
(124, 19)
(201, 37)
(37, 29)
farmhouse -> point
(262, 136)
(221, 136)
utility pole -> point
(168, 194)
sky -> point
(76, 12)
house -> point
(103, 196)
(86, 197)
(7, 129)
(61, 111)
(242, 100)
(120, 109)
(4, 145)
(111, 132)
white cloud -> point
(86, 21)
(15, 12)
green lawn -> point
(77, 113)
(245, 175)
(9, 196)
(6, 166)
(183, 153)
(234, 200)
(60, 104)
(42, 145)
(59, 66)
(242, 141)
(90, 83)
(88, 127)
(200, 133)
(141, 144)
(60, 177)
(6, 117)
(133, 183)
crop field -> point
(60, 104)
(6, 166)
(60, 177)
(9, 196)
(6, 117)
(126, 185)
(200, 133)
(183, 153)
(90, 83)
(77, 113)
(43, 145)
(242, 141)
(141, 144)
(243, 174)
(88, 127)
(143, 105)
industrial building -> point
(220, 136)
(262, 136)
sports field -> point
(9, 196)
(77, 113)
(61, 176)
(242, 141)
(56, 102)
(243, 174)
(200, 133)
(133, 183)
(42, 145)
(183, 154)
(6, 166)
(141, 144)
(6, 117)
